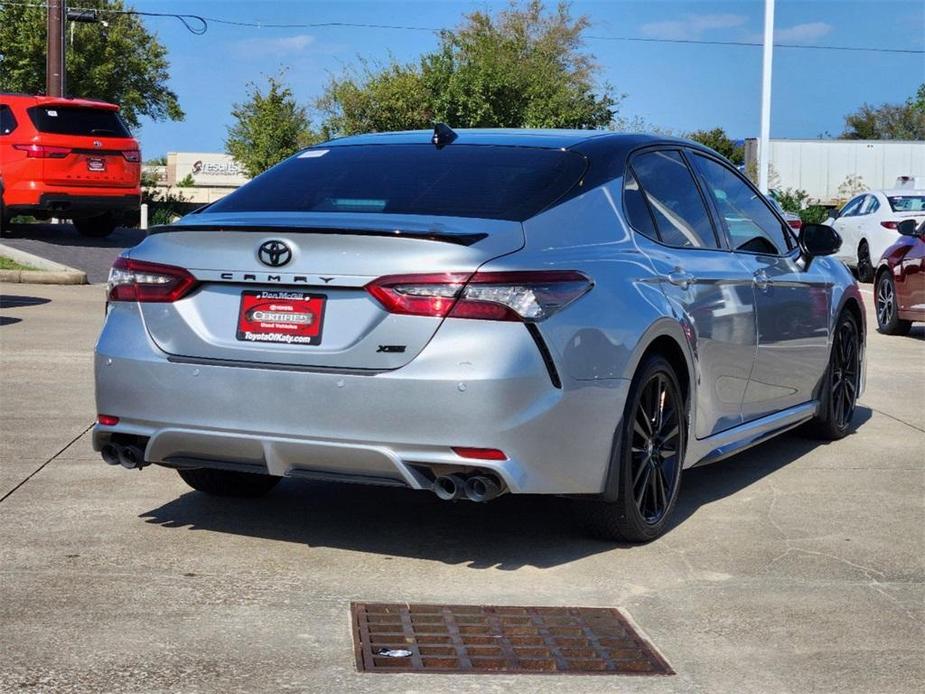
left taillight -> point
(138, 280)
(527, 296)
(34, 151)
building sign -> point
(208, 169)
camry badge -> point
(274, 253)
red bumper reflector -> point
(479, 453)
(107, 420)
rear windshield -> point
(907, 203)
(77, 120)
(493, 182)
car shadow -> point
(20, 301)
(508, 533)
(66, 235)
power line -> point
(199, 25)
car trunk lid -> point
(244, 308)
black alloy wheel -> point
(845, 367)
(655, 448)
(645, 475)
(888, 320)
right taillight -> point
(138, 280)
(528, 296)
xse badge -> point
(293, 318)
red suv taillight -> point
(43, 151)
(528, 296)
(137, 280)
(132, 155)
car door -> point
(710, 291)
(910, 292)
(847, 224)
(792, 301)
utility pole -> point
(54, 54)
(764, 148)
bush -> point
(814, 214)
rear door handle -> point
(761, 279)
(680, 278)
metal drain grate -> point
(484, 639)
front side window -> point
(681, 218)
(752, 226)
(7, 120)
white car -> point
(868, 225)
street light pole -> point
(54, 54)
(764, 148)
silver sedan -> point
(477, 313)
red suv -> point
(70, 158)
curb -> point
(48, 272)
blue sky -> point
(678, 87)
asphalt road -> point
(794, 567)
(62, 244)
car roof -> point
(902, 191)
(512, 137)
(41, 100)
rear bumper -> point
(383, 427)
(63, 204)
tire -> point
(865, 267)
(888, 320)
(3, 219)
(840, 384)
(97, 227)
(649, 452)
(228, 482)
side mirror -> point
(907, 227)
(818, 239)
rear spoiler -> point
(459, 239)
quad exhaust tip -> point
(474, 487)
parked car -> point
(477, 313)
(869, 222)
(900, 281)
(792, 219)
(68, 158)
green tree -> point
(522, 67)
(268, 127)
(904, 121)
(718, 140)
(123, 63)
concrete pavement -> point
(793, 567)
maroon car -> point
(900, 281)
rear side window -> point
(77, 120)
(751, 224)
(7, 120)
(681, 217)
(637, 209)
(492, 182)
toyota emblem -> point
(97, 144)
(274, 253)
